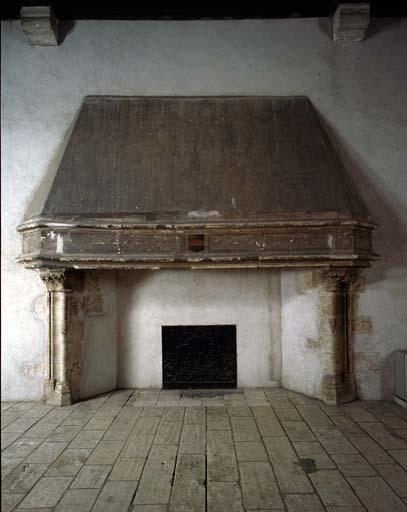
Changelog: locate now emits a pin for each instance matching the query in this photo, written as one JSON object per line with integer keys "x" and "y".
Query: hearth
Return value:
{"x": 199, "y": 356}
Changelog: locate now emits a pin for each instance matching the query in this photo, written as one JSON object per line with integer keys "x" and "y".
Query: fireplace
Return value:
{"x": 199, "y": 356}
{"x": 158, "y": 183}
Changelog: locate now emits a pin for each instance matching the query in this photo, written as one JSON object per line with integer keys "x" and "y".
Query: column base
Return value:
{"x": 337, "y": 390}
{"x": 349, "y": 391}
{"x": 49, "y": 388}
{"x": 58, "y": 394}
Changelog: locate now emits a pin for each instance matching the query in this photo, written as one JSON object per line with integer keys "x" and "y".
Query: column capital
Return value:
{"x": 55, "y": 280}
{"x": 334, "y": 280}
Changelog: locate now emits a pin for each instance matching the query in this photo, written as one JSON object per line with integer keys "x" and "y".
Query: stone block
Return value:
{"x": 333, "y": 489}
{"x": 383, "y": 436}
{"x": 222, "y": 467}
{"x": 258, "y": 485}
{"x": 173, "y": 413}
{"x": 115, "y": 496}
{"x": 351, "y": 22}
{"x": 306, "y": 280}
{"x": 47, "y": 492}
{"x": 244, "y": 429}
{"x": 400, "y": 456}
{"x": 127, "y": 469}
{"x": 223, "y": 496}
{"x": 91, "y": 477}
{"x": 168, "y": 432}
{"x": 87, "y": 439}
{"x": 303, "y": 503}
{"x": 46, "y": 453}
{"x": 195, "y": 415}
{"x": 288, "y": 415}
{"x": 193, "y": 439}
{"x": 218, "y": 422}
{"x": 314, "y": 415}
{"x": 312, "y": 344}
{"x": 69, "y": 462}
{"x": 8, "y": 438}
{"x": 290, "y": 475}
{"x": 238, "y": 411}
{"x": 219, "y": 441}
{"x": 8, "y": 465}
{"x": 298, "y": 431}
{"x": 353, "y": 465}
{"x": 333, "y": 440}
{"x": 347, "y": 426}
{"x": 138, "y": 446}
{"x": 106, "y": 452}
{"x": 376, "y": 494}
{"x": 78, "y": 500}
{"x": 395, "y": 476}
{"x": 362, "y": 324}
{"x": 188, "y": 491}
{"x": 251, "y": 452}
{"x": 99, "y": 423}
{"x": 313, "y": 451}
{"x": 64, "y": 433}
{"x": 155, "y": 483}
{"x": 267, "y": 422}
{"x": 10, "y": 501}
{"x": 371, "y": 450}
{"x": 23, "y": 447}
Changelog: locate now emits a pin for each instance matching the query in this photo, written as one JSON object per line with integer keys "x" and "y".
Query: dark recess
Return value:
{"x": 199, "y": 356}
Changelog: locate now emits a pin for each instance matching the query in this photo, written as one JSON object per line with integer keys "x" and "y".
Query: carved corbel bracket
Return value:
{"x": 350, "y": 22}
{"x": 40, "y": 25}
{"x": 339, "y": 280}
{"x": 55, "y": 280}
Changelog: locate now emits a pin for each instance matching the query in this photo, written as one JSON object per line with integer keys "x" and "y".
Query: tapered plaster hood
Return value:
{"x": 190, "y": 182}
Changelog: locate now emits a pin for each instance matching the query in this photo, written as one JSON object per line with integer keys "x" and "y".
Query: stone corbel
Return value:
{"x": 338, "y": 383}
{"x": 40, "y": 25}
{"x": 57, "y": 384}
{"x": 350, "y": 22}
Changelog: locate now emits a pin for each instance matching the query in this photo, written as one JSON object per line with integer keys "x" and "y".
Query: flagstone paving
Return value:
{"x": 194, "y": 451}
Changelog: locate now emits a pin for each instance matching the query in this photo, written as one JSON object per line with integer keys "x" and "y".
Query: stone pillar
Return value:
{"x": 57, "y": 385}
{"x": 335, "y": 330}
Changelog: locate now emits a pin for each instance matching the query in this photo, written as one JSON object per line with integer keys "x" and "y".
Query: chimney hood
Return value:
{"x": 198, "y": 182}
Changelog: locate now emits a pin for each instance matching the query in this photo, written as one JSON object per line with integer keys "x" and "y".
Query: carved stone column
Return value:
{"x": 57, "y": 385}
{"x": 335, "y": 330}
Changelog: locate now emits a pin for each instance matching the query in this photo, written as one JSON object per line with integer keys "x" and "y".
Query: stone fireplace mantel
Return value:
{"x": 64, "y": 289}
{"x": 199, "y": 183}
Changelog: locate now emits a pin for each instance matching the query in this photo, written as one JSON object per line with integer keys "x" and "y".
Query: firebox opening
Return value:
{"x": 199, "y": 356}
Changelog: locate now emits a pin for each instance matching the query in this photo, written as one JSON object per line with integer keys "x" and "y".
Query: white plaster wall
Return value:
{"x": 147, "y": 300}
{"x": 99, "y": 350}
{"x": 359, "y": 90}
{"x": 301, "y": 357}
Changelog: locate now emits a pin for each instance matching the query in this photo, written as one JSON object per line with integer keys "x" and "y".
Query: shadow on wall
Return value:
{"x": 125, "y": 309}
{"x": 390, "y": 238}
{"x": 65, "y": 27}
{"x": 387, "y": 376}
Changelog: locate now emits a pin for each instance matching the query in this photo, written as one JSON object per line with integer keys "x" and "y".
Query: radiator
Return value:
{"x": 400, "y": 377}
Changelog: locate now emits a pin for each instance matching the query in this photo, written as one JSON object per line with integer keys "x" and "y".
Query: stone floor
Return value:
{"x": 152, "y": 451}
